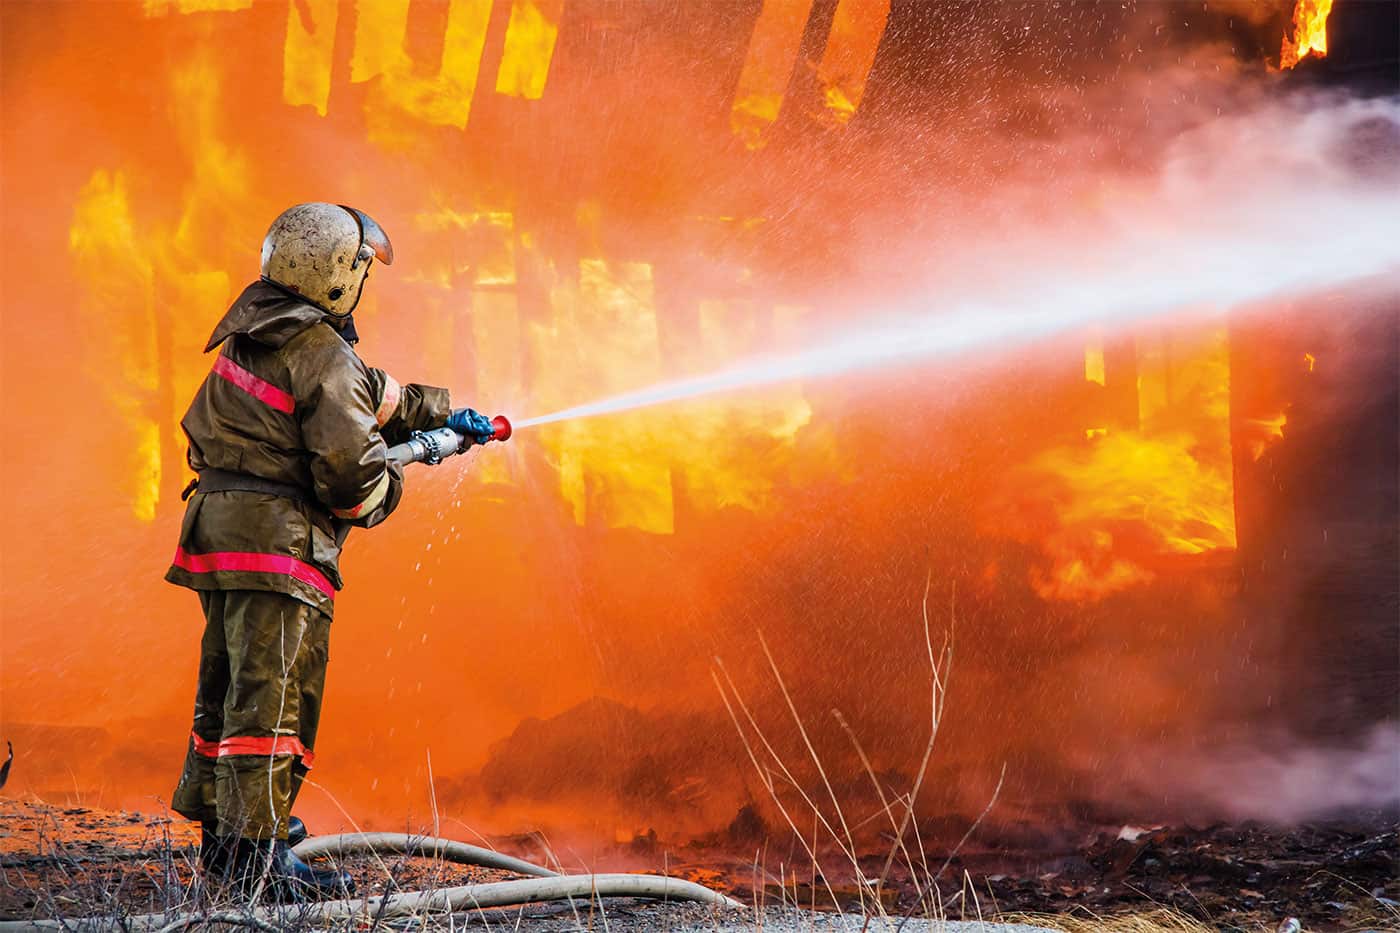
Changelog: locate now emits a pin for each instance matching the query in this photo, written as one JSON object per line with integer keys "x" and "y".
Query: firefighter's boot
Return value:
{"x": 214, "y": 854}
{"x": 283, "y": 876}
{"x": 297, "y": 832}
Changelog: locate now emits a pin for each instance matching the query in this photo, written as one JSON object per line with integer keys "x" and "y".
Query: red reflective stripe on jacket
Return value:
{"x": 253, "y": 745}
{"x": 390, "y": 402}
{"x": 254, "y": 563}
{"x": 260, "y": 389}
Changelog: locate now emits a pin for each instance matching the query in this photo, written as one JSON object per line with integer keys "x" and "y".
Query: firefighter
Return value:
{"x": 288, "y": 436}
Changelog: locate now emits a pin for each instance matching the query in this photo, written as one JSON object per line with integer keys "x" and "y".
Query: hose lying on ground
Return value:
{"x": 449, "y": 850}
{"x": 546, "y": 886}
{"x": 508, "y": 893}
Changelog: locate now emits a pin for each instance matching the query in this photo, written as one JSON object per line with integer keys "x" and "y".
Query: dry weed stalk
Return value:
{"x": 898, "y": 810}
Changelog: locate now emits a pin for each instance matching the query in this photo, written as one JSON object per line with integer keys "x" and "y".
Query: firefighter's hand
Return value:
{"x": 468, "y": 422}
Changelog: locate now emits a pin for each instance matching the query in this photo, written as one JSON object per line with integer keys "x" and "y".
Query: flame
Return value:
{"x": 1309, "y": 33}
{"x": 381, "y": 52}
{"x": 856, "y": 30}
{"x": 1259, "y": 434}
{"x": 581, "y": 253}
{"x": 529, "y": 48}
{"x": 857, "y": 27}
{"x": 1093, "y": 359}
{"x": 1112, "y": 507}
{"x": 1104, "y": 512}
{"x": 162, "y": 7}
{"x": 126, "y": 265}
{"x": 622, "y": 471}
{"x": 308, "y": 53}
{"x": 112, "y": 261}
{"x": 777, "y": 36}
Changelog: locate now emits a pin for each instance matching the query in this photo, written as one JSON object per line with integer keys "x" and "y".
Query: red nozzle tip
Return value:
{"x": 502, "y": 426}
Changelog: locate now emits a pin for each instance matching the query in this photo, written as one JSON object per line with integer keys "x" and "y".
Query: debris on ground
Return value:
{"x": 1336, "y": 875}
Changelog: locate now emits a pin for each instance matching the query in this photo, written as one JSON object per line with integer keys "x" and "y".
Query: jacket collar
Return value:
{"x": 268, "y": 314}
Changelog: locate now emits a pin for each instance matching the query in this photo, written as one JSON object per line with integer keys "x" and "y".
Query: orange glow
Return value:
{"x": 1261, "y": 433}
{"x": 850, "y": 52}
{"x": 1117, "y": 506}
{"x": 1105, "y": 512}
{"x": 110, "y": 258}
{"x": 1309, "y": 33}
{"x": 381, "y": 52}
{"x": 163, "y": 7}
{"x": 529, "y": 47}
{"x": 308, "y": 53}
{"x": 1093, "y": 360}
{"x": 607, "y": 209}
{"x": 767, "y": 68}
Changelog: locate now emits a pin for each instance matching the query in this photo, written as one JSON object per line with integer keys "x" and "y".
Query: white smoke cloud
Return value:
{"x": 1282, "y": 780}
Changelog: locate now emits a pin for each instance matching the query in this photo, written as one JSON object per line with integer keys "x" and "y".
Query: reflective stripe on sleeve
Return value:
{"x": 371, "y": 501}
{"x": 260, "y": 389}
{"x": 267, "y": 746}
{"x": 390, "y": 402}
{"x": 255, "y": 563}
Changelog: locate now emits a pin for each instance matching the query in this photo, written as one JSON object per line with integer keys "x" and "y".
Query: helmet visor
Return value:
{"x": 373, "y": 236}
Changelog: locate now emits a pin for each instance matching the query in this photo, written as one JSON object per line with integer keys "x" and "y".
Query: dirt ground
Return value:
{"x": 1345, "y": 875}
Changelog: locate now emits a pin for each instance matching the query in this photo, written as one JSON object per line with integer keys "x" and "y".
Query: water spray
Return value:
{"x": 1205, "y": 265}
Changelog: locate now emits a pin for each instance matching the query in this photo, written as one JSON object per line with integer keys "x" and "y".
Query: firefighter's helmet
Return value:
{"x": 323, "y": 252}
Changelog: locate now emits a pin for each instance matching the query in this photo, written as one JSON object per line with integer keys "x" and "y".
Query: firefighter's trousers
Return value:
{"x": 262, "y": 671}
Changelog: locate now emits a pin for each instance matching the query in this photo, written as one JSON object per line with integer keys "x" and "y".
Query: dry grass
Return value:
{"x": 1153, "y": 921}
{"x": 64, "y": 879}
{"x": 936, "y": 897}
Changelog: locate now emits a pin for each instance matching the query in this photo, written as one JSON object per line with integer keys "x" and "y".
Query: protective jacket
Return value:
{"x": 289, "y": 412}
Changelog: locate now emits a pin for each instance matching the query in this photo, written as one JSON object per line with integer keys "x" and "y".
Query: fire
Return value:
{"x": 307, "y": 53}
{"x": 165, "y": 276}
{"x": 1309, "y": 33}
{"x": 529, "y": 48}
{"x": 1093, "y": 360}
{"x": 857, "y": 27}
{"x": 622, "y": 472}
{"x": 109, "y": 256}
{"x": 1105, "y": 511}
{"x": 1259, "y": 434}
{"x": 382, "y": 52}
{"x": 162, "y": 7}
{"x": 767, "y": 68}
{"x": 581, "y": 219}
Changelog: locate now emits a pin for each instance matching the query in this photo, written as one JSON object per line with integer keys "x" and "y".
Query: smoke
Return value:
{"x": 1278, "y": 778}
{"x": 543, "y": 616}
{"x": 1212, "y": 233}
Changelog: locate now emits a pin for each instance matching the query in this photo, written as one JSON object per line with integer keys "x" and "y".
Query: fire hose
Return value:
{"x": 545, "y": 885}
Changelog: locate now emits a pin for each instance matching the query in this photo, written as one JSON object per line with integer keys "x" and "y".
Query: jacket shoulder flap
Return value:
{"x": 318, "y": 358}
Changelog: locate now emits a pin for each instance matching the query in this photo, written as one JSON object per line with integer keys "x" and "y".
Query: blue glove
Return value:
{"x": 467, "y": 422}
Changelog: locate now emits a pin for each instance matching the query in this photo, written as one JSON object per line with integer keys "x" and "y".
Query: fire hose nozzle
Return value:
{"x": 436, "y": 445}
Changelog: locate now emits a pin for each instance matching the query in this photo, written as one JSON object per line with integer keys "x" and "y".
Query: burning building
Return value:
{"x": 1147, "y": 542}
